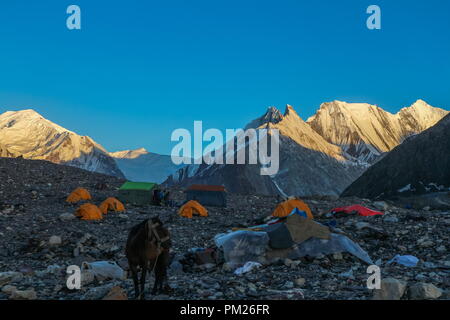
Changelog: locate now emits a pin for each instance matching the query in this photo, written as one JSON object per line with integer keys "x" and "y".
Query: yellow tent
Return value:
{"x": 111, "y": 204}
{"x": 192, "y": 207}
{"x": 78, "y": 194}
{"x": 89, "y": 211}
{"x": 285, "y": 208}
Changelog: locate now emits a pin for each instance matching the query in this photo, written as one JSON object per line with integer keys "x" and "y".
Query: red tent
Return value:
{"x": 362, "y": 211}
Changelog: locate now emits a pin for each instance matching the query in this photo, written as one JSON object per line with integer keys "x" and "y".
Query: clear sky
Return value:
{"x": 140, "y": 69}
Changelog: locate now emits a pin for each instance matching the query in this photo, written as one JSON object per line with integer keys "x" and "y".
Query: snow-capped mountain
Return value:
{"x": 366, "y": 131}
{"x": 30, "y": 135}
{"x": 323, "y": 155}
{"x": 129, "y": 154}
{"x": 309, "y": 165}
{"x": 273, "y": 115}
{"x": 421, "y": 164}
{"x": 142, "y": 166}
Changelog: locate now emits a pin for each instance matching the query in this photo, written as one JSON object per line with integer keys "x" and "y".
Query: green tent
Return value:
{"x": 139, "y": 193}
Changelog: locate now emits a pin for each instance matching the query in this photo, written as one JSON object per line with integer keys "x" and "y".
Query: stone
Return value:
{"x": 227, "y": 267}
{"x": 287, "y": 262}
{"x": 53, "y": 269}
{"x": 361, "y": 225}
{"x": 87, "y": 277}
{"x": 10, "y": 276}
{"x": 421, "y": 276}
{"x": 441, "y": 249}
{"x": 98, "y": 293}
{"x": 338, "y": 256}
{"x": 426, "y": 244}
{"x": 8, "y": 289}
{"x": 116, "y": 293}
{"x": 300, "y": 282}
{"x": 391, "y": 289}
{"x": 176, "y": 268}
{"x": 288, "y": 285}
{"x": 23, "y": 295}
{"x": 66, "y": 216}
{"x": 55, "y": 241}
{"x": 423, "y": 291}
{"x": 429, "y": 265}
{"x": 392, "y": 219}
{"x": 381, "y": 205}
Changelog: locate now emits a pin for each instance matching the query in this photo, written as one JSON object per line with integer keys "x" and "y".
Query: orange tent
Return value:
{"x": 89, "y": 211}
{"x": 192, "y": 207}
{"x": 78, "y": 194}
{"x": 285, "y": 208}
{"x": 111, "y": 204}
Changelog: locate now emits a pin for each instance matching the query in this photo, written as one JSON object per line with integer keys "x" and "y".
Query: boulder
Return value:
{"x": 392, "y": 219}
{"x": 300, "y": 282}
{"x": 55, "y": 241}
{"x": 9, "y": 276}
{"x": 381, "y": 205}
{"x": 116, "y": 293}
{"x": 23, "y": 295}
{"x": 67, "y": 216}
{"x": 98, "y": 293}
{"x": 391, "y": 289}
{"x": 8, "y": 289}
{"x": 423, "y": 291}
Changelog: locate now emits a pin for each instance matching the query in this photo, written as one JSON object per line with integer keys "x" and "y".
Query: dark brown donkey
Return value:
{"x": 147, "y": 248}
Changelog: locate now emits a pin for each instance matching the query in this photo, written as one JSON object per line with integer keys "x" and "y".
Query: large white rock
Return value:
{"x": 24, "y": 295}
{"x": 422, "y": 291}
{"x": 66, "y": 216}
{"x": 9, "y": 276}
{"x": 391, "y": 289}
{"x": 55, "y": 241}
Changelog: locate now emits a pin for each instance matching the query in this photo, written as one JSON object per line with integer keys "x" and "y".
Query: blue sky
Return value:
{"x": 140, "y": 69}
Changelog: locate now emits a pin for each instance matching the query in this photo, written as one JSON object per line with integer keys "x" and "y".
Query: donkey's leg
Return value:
{"x": 162, "y": 269}
{"x": 161, "y": 276}
{"x": 134, "y": 273}
{"x": 143, "y": 276}
{"x": 155, "y": 285}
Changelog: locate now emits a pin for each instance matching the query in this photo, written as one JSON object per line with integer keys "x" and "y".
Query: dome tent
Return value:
{"x": 89, "y": 211}
{"x": 285, "y": 208}
{"x": 192, "y": 207}
{"x": 78, "y": 195}
{"x": 111, "y": 204}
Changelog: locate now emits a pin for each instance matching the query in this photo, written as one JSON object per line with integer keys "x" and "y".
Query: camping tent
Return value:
{"x": 139, "y": 193}
{"x": 192, "y": 207}
{"x": 89, "y": 211}
{"x": 360, "y": 210}
{"x": 207, "y": 195}
{"x": 111, "y": 204}
{"x": 285, "y": 208}
{"x": 293, "y": 237}
{"x": 78, "y": 194}
{"x": 296, "y": 229}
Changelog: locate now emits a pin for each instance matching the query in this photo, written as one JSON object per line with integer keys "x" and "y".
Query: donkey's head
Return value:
{"x": 158, "y": 233}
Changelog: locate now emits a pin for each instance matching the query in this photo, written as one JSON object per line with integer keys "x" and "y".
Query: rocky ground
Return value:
{"x": 40, "y": 238}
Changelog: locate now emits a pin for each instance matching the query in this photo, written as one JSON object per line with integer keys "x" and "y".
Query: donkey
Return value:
{"x": 147, "y": 248}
